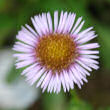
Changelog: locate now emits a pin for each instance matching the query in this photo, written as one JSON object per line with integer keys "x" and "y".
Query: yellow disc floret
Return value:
{"x": 56, "y": 51}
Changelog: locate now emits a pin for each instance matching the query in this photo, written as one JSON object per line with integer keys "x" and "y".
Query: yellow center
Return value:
{"x": 56, "y": 52}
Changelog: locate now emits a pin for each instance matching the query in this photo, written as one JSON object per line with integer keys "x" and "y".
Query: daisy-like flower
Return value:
{"x": 56, "y": 54}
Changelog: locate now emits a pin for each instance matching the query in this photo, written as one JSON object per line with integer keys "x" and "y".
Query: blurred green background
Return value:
{"x": 15, "y": 94}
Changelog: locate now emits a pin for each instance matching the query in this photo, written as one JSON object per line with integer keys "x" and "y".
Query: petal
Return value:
{"x": 24, "y": 63}
{"x": 63, "y": 22}
{"x": 37, "y": 76}
{"x": 60, "y": 22}
{"x": 89, "y": 46}
{"x": 46, "y": 81}
{"x": 89, "y": 52}
{"x": 55, "y": 21}
{"x": 49, "y": 22}
{"x": 79, "y": 28}
{"x": 82, "y": 34}
{"x": 83, "y": 65}
{"x": 76, "y": 24}
{"x": 38, "y": 30}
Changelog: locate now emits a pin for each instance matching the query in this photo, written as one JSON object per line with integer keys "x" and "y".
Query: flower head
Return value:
{"x": 56, "y": 54}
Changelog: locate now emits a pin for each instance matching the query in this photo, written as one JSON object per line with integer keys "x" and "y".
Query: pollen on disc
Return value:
{"x": 56, "y": 51}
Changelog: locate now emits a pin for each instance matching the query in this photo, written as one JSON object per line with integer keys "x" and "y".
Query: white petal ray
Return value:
{"x": 89, "y": 46}
{"x": 86, "y": 39}
{"x": 29, "y": 68}
{"x": 50, "y": 83}
{"x": 25, "y": 38}
{"x": 66, "y": 83}
{"x": 49, "y": 22}
{"x": 71, "y": 22}
{"x": 31, "y": 30}
{"x": 81, "y": 74}
{"x": 55, "y": 21}
{"x": 63, "y": 82}
{"x": 94, "y": 66}
{"x": 24, "y": 63}
{"x": 90, "y": 56}
{"x": 46, "y": 81}
{"x": 60, "y": 21}
{"x": 22, "y": 49}
{"x": 55, "y": 85}
{"x": 24, "y": 59}
{"x": 24, "y": 45}
{"x": 76, "y": 24}
{"x": 31, "y": 74}
{"x": 63, "y": 22}
{"x": 41, "y": 80}
{"x": 58, "y": 83}
{"x": 82, "y": 64}
{"x": 30, "y": 34}
{"x": 27, "y": 34}
{"x": 79, "y": 28}
{"x": 89, "y": 52}
{"x": 44, "y": 19}
{"x": 82, "y": 34}
{"x": 76, "y": 81}
{"x": 23, "y": 55}
{"x": 45, "y": 28}
{"x": 76, "y": 74}
{"x": 37, "y": 76}
{"x": 36, "y": 27}
{"x": 82, "y": 70}
{"x": 88, "y": 60}
{"x": 68, "y": 80}
{"x": 39, "y": 24}
{"x": 38, "y": 20}
{"x": 65, "y": 30}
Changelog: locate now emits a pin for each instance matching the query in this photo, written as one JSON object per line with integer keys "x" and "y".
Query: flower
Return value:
{"x": 56, "y": 54}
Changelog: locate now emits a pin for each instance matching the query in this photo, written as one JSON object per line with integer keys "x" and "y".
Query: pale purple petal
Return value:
{"x": 63, "y": 22}
{"x": 41, "y": 80}
{"x": 31, "y": 30}
{"x": 45, "y": 22}
{"x": 83, "y": 33}
{"x": 46, "y": 81}
{"x": 71, "y": 22}
{"x": 89, "y": 46}
{"x": 38, "y": 30}
{"x": 55, "y": 21}
{"x": 29, "y": 68}
{"x": 50, "y": 83}
{"x": 79, "y": 28}
{"x": 60, "y": 21}
{"x": 24, "y": 63}
{"x": 86, "y": 39}
{"x": 63, "y": 82}
{"x": 88, "y": 52}
{"x": 49, "y": 22}
{"x": 37, "y": 76}
{"x": 90, "y": 56}
{"x": 76, "y": 24}
{"x": 83, "y": 65}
